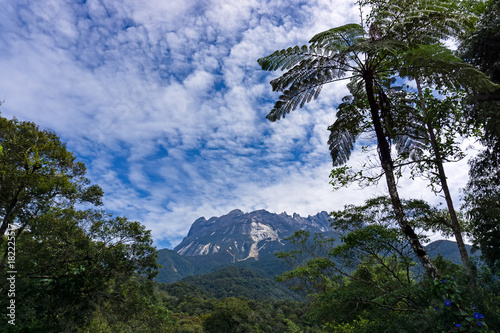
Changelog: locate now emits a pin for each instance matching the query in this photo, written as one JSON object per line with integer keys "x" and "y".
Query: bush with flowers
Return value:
{"x": 455, "y": 315}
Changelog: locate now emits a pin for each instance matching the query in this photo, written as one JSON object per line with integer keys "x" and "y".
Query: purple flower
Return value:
{"x": 444, "y": 280}
{"x": 479, "y": 324}
{"x": 481, "y": 316}
{"x": 435, "y": 308}
{"x": 476, "y": 315}
{"x": 447, "y": 302}
{"x": 458, "y": 325}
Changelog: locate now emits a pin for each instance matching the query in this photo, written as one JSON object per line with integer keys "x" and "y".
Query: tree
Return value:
{"x": 370, "y": 273}
{"x": 370, "y": 277}
{"x": 134, "y": 306}
{"x": 480, "y": 46}
{"x": 64, "y": 260}
{"x": 394, "y": 48}
{"x": 482, "y": 198}
{"x": 230, "y": 315}
{"x": 483, "y": 205}
{"x": 331, "y": 56}
{"x": 37, "y": 172}
{"x": 68, "y": 260}
{"x": 421, "y": 35}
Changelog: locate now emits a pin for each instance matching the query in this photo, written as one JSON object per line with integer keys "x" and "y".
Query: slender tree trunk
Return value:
{"x": 388, "y": 167}
{"x": 5, "y": 255}
{"x": 9, "y": 215}
{"x": 457, "y": 230}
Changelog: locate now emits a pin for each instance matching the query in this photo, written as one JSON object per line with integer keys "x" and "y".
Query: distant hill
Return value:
{"x": 449, "y": 250}
{"x": 175, "y": 266}
{"x": 233, "y": 281}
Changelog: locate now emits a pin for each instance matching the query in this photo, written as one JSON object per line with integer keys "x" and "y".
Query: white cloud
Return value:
{"x": 166, "y": 103}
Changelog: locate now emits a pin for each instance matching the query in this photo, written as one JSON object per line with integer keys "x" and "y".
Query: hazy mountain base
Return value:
{"x": 176, "y": 266}
{"x": 233, "y": 281}
{"x": 252, "y": 279}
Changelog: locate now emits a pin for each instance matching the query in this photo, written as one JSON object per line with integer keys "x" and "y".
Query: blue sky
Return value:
{"x": 165, "y": 103}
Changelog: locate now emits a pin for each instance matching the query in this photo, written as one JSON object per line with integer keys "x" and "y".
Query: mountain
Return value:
{"x": 250, "y": 240}
{"x": 244, "y": 239}
{"x": 175, "y": 266}
{"x": 247, "y": 236}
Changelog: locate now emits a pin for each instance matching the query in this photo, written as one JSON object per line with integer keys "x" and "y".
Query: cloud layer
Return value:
{"x": 166, "y": 104}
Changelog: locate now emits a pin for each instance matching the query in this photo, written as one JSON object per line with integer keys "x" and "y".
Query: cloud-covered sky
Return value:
{"x": 165, "y": 103}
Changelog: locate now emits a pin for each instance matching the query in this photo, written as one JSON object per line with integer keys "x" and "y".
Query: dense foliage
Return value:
{"x": 480, "y": 48}
{"x": 370, "y": 282}
{"x": 59, "y": 264}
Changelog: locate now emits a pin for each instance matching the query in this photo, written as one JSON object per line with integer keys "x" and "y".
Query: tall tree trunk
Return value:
{"x": 457, "y": 230}
{"x": 388, "y": 167}
{"x": 8, "y": 218}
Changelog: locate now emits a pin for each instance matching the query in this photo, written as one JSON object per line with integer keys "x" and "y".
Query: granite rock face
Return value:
{"x": 247, "y": 235}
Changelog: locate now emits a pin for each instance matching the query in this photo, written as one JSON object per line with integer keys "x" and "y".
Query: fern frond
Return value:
{"x": 339, "y": 38}
{"x": 379, "y": 47}
{"x": 350, "y": 123}
{"x": 423, "y": 21}
{"x": 304, "y": 81}
{"x": 287, "y": 58}
{"x": 438, "y": 66}
{"x": 312, "y": 69}
{"x": 291, "y": 99}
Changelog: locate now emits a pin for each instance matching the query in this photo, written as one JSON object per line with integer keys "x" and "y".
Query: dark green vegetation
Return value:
{"x": 176, "y": 267}
{"x": 60, "y": 265}
{"x": 67, "y": 266}
{"x": 371, "y": 283}
{"x": 235, "y": 281}
{"x": 482, "y": 194}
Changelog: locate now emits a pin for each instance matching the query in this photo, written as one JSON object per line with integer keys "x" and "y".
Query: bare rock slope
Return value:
{"x": 246, "y": 235}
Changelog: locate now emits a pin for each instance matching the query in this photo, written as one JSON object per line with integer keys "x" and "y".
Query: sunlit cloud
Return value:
{"x": 166, "y": 104}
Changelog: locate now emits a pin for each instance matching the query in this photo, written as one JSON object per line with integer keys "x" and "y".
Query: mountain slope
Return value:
{"x": 233, "y": 281}
{"x": 251, "y": 240}
{"x": 175, "y": 267}
{"x": 246, "y": 235}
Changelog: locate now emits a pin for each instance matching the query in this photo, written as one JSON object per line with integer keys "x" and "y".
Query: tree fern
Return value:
{"x": 438, "y": 66}
{"x": 350, "y": 123}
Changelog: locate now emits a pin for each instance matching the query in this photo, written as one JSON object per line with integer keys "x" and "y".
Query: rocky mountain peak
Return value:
{"x": 246, "y": 235}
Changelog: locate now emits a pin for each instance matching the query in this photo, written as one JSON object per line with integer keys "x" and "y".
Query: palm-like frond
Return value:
{"x": 314, "y": 68}
{"x": 350, "y": 123}
{"x": 292, "y": 98}
{"x": 305, "y": 87}
{"x": 382, "y": 47}
{"x": 328, "y": 59}
{"x": 440, "y": 67}
{"x": 403, "y": 122}
{"x": 412, "y": 143}
{"x": 339, "y": 38}
{"x": 287, "y": 58}
{"x": 419, "y": 22}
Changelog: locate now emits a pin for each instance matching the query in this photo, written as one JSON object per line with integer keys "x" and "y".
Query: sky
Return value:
{"x": 164, "y": 102}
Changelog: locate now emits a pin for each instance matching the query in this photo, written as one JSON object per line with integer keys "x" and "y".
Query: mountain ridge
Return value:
{"x": 247, "y": 235}
{"x": 236, "y": 234}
